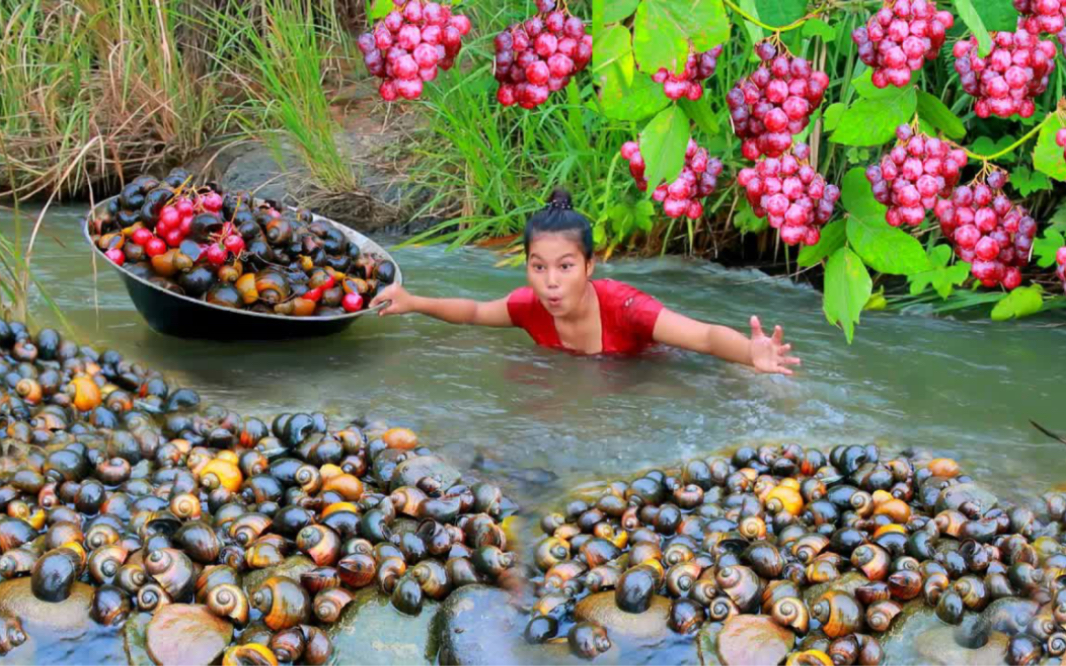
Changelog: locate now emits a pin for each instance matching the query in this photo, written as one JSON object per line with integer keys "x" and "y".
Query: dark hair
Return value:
{"x": 559, "y": 217}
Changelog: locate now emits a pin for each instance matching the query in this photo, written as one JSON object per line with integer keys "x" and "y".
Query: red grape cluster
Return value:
{"x": 1043, "y": 17}
{"x": 537, "y": 57}
{"x": 407, "y": 46}
{"x": 1060, "y": 269}
{"x": 791, "y": 194}
{"x": 913, "y": 174}
{"x": 698, "y": 179}
{"x": 774, "y": 102}
{"x": 988, "y": 230}
{"x": 899, "y": 38}
{"x": 1006, "y": 81}
{"x": 1060, "y": 140}
{"x": 698, "y": 68}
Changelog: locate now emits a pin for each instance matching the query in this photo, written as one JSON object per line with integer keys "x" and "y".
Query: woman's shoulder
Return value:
{"x": 616, "y": 291}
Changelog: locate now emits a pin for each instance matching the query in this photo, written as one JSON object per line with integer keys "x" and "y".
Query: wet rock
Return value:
{"x": 58, "y": 633}
{"x": 477, "y": 625}
{"x": 707, "y": 642}
{"x": 938, "y": 647}
{"x": 1010, "y": 615}
{"x": 187, "y": 634}
{"x": 601, "y": 608}
{"x": 410, "y": 471}
{"x": 915, "y": 619}
{"x": 292, "y": 567}
{"x": 135, "y": 634}
{"x": 955, "y": 496}
{"x": 849, "y": 582}
{"x": 753, "y": 640}
{"x": 370, "y": 631}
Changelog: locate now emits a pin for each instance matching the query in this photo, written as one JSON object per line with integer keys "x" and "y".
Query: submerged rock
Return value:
{"x": 955, "y": 496}
{"x": 753, "y": 640}
{"x": 58, "y": 633}
{"x": 602, "y": 609}
{"x": 848, "y": 583}
{"x": 477, "y": 624}
{"x": 135, "y": 634}
{"x": 371, "y": 632}
{"x": 410, "y": 471}
{"x": 938, "y": 647}
{"x": 292, "y": 567}
{"x": 187, "y": 634}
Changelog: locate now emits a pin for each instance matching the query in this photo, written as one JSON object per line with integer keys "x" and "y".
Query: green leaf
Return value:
{"x": 847, "y": 288}
{"x": 745, "y": 220}
{"x": 872, "y": 122}
{"x": 780, "y": 12}
{"x": 702, "y": 114}
{"x": 1047, "y": 155}
{"x": 931, "y": 109}
{"x": 662, "y": 144}
{"x": 1047, "y": 247}
{"x": 625, "y": 93}
{"x": 973, "y": 21}
{"x": 863, "y": 84}
{"x": 755, "y": 32}
{"x": 885, "y": 249}
{"x": 998, "y": 15}
{"x": 618, "y": 10}
{"x": 832, "y": 115}
{"x": 1021, "y": 302}
{"x": 379, "y": 9}
{"x": 628, "y": 218}
{"x": 1027, "y": 182}
{"x": 877, "y": 300}
{"x": 1058, "y": 219}
{"x": 663, "y": 29}
{"x": 985, "y": 145}
{"x": 942, "y": 277}
{"x": 832, "y": 240}
{"x": 816, "y": 27}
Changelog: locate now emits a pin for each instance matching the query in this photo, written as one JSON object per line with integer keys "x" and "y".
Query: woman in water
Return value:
{"x": 564, "y": 308}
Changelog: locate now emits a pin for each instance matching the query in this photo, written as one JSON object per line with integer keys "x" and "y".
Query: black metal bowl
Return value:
{"x": 185, "y": 317}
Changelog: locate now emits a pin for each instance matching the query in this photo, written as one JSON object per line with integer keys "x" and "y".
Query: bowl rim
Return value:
{"x": 361, "y": 240}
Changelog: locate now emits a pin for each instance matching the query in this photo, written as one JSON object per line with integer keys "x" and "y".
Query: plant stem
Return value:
{"x": 1028, "y": 135}
{"x": 751, "y": 19}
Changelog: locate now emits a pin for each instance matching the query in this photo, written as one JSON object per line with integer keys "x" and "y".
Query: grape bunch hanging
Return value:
{"x": 698, "y": 180}
{"x": 406, "y": 48}
{"x": 1005, "y": 82}
{"x": 988, "y": 230}
{"x": 1043, "y": 17}
{"x": 689, "y": 83}
{"x": 899, "y": 38}
{"x": 912, "y": 175}
{"x": 790, "y": 194}
{"x": 774, "y": 102}
{"x": 539, "y": 56}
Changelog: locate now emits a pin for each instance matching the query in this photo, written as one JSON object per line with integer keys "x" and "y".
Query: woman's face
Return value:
{"x": 558, "y": 272}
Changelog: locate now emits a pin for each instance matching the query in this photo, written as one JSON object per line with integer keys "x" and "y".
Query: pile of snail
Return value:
{"x": 232, "y": 251}
{"x": 113, "y": 477}
{"x": 748, "y": 535}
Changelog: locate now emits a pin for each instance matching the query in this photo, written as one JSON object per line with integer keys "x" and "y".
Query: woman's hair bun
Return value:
{"x": 561, "y": 199}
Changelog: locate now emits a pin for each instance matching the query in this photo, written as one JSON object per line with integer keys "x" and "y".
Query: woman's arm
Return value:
{"x": 451, "y": 310}
{"x": 763, "y": 353}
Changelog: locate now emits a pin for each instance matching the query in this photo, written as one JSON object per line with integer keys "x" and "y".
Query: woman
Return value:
{"x": 564, "y": 308}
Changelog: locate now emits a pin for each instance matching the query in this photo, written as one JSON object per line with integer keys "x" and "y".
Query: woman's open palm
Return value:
{"x": 770, "y": 353}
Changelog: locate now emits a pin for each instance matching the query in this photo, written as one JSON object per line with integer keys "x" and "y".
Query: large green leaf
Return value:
{"x": 617, "y": 10}
{"x": 780, "y": 12}
{"x": 816, "y": 27}
{"x": 1027, "y": 182}
{"x": 832, "y": 115}
{"x": 626, "y": 94}
{"x": 702, "y": 114}
{"x": 972, "y": 19}
{"x": 872, "y": 122}
{"x": 885, "y": 249}
{"x": 941, "y": 276}
{"x": 1047, "y": 247}
{"x": 832, "y": 239}
{"x": 864, "y": 85}
{"x": 847, "y": 288}
{"x": 1047, "y": 155}
{"x": 1021, "y": 302}
{"x": 662, "y": 145}
{"x": 998, "y": 15}
{"x": 931, "y": 109}
{"x": 381, "y": 8}
{"x": 663, "y": 29}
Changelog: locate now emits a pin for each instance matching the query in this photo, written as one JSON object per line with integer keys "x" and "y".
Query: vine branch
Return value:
{"x": 784, "y": 28}
{"x": 1028, "y": 135}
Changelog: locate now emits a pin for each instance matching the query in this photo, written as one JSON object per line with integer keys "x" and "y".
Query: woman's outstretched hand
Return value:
{"x": 398, "y": 298}
{"x": 769, "y": 353}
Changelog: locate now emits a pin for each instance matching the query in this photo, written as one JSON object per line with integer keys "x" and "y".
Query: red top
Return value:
{"x": 627, "y": 317}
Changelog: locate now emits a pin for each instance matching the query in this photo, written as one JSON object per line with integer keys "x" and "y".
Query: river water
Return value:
{"x": 960, "y": 388}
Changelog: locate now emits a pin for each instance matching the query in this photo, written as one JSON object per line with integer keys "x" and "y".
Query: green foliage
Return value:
{"x": 937, "y": 114}
{"x": 832, "y": 239}
{"x": 941, "y": 276}
{"x": 1022, "y": 302}
{"x": 625, "y": 93}
{"x": 664, "y": 29}
{"x": 1047, "y": 155}
{"x": 1045, "y": 248}
{"x": 883, "y": 248}
{"x": 872, "y": 120}
{"x": 663, "y": 143}
{"x": 847, "y": 289}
